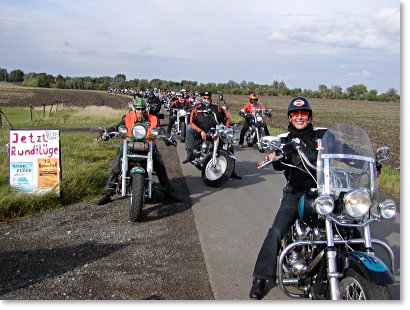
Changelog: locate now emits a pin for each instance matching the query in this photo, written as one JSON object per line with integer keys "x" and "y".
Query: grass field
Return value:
{"x": 88, "y": 109}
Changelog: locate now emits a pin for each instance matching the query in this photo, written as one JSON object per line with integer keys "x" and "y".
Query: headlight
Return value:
{"x": 387, "y": 208}
{"x": 123, "y": 130}
{"x": 139, "y": 132}
{"x": 324, "y": 205}
{"x": 228, "y": 134}
{"x": 181, "y": 113}
{"x": 357, "y": 203}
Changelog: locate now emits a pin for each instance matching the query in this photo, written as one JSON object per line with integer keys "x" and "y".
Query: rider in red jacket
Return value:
{"x": 248, "y": 109}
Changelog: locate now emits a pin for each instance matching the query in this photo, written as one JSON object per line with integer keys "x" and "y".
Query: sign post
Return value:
{"x": 34, "y": 161}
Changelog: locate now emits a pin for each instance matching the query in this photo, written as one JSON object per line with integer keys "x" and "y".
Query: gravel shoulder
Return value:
{"x": 86, "y": 251}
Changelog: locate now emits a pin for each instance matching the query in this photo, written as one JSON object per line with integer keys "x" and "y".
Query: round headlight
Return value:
{"x": 181, "y": 113}
{"x": 228, "y": 133}
{"x": 324, "y": 205}
{"x": 139, "y": 131}
{"x": 357, "y": 203}
{"x": 387, "y": 209}
{"x": 123, "y": 130}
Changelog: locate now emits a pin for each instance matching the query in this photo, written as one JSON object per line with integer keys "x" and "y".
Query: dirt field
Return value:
{"x": 380, "y": 119}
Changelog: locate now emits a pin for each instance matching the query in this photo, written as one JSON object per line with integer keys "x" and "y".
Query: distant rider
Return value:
{"x": 246, "y": 112}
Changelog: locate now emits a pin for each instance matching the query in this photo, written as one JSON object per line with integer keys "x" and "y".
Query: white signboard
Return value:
{"x": 34, "y": 161}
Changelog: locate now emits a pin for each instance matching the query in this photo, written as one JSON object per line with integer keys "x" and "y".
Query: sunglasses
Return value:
{"x": 206, "y": 98}
{"x": 139, "y": 109}
{"x": 297, "y": 113}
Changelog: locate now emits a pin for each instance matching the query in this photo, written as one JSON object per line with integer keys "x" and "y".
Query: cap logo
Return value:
{"x": 298, "y": 103}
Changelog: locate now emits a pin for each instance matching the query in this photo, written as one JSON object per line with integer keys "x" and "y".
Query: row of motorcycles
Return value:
{"x": 328, "y": 253}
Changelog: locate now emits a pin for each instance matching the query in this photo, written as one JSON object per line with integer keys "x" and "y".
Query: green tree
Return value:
{"x": 16, "y": 76}
{"x": 3, "y": 75}
{"x": 358, "y": 91}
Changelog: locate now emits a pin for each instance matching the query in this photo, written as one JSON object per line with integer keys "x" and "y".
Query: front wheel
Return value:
{"x": 183, "y": 131}
{"x": 215, "y": 176}
{"x": 250, "y": 138}
{"x": 137, "y": 199}
{"x": 354, "y": 287}
{"x": 261, "y": 135}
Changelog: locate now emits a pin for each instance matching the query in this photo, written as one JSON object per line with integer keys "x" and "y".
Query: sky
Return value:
{"x": 303, "y": 43}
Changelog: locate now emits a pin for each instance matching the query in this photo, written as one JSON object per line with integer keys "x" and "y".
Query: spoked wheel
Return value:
{"x": 215, "y": 176}
{"x": 261, "y": 135}
{"x": 137, "y": 198}
{"x": 354, "y": 287}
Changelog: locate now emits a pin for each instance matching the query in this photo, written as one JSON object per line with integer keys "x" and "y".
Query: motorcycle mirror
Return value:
{"x": 271, "y": 142}
{"x": 382, "y": 153}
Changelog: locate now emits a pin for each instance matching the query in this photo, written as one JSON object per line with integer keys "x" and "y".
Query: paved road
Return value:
{"x": 233, "y": 220}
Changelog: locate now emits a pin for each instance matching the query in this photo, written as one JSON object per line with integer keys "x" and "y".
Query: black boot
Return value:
{"x": 190, "y": 156}
{"x": 105, "y": 198}
{"x": 257, "y": 289}
{"x": 234, "y": 176}
{"x": 109, "y": 189}
{"x": 169, "y": 195}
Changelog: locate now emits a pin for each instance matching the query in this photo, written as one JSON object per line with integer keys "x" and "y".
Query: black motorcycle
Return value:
{"x": 328, "y": 252}
{"x": 214, "y": 157}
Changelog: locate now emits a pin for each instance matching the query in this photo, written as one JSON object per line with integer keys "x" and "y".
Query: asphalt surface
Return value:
{"x": 234, "y": 219}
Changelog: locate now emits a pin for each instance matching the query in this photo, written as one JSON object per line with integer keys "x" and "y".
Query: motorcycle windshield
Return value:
{"x": 345, "y": 161}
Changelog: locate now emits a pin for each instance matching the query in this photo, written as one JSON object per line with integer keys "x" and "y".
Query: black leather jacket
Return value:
{"x": 298, "y": 179}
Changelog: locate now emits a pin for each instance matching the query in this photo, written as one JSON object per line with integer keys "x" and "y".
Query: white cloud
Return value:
{"x": 374, "y": 42}
{"x": 388, "y": 20}
{"x": 277, "y": 36}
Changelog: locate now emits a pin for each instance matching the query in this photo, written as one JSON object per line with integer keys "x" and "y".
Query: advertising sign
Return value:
{"x": 34, "y": 161}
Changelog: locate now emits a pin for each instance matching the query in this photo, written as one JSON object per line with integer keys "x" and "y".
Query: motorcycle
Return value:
{"x": 323, "y": 255}
{"x": 256, "y": 130}
{"x": 178, "y": 129}
{"x": 215, "y": 156}
{"x": 135, "y": 180}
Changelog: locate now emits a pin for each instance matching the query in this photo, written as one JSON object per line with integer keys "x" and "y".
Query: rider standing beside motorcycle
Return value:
{"x": 247, "y": 109}
{"x": 204, "y": 116}
{"x": 138, "y": 114}
{"x": 298, "y": 183}
{"x": 180, "y": 103}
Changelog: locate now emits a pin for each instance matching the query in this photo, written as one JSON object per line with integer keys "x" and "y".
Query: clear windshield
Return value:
{"x": 345, "y": 161}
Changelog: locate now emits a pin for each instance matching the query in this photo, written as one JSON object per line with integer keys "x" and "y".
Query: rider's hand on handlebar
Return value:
{"x": 203, "y": 135}
{"x": 271, "y": 156}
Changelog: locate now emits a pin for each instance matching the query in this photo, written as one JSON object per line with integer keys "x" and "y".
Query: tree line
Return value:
{"x": 354, "y": 92}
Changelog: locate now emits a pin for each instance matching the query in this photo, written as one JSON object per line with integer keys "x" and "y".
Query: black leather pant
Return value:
{"x": 265, "y": 267}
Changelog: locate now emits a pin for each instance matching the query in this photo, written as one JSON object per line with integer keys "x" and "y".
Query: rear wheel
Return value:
{"x": 354, "y": 287}
{"x": 215, "y": 176}
{"x": 137, "y": 199}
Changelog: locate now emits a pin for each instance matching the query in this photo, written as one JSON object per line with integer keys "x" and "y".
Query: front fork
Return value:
{"x": 331, "y": 255}
{"x": 214, "y": 153}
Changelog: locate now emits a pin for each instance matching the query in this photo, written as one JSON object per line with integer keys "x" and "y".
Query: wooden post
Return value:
{"x": 31, "y": 113}
{"x": 44, "y": 110}
{"x": 1, "y": 120}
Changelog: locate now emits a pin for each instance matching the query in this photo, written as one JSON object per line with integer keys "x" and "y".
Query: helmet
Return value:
{"x": 253, "y": 97}
{"x": 300, "y": 103}
{"x": 138, "y": 103}
{"x": 206, "y": 94}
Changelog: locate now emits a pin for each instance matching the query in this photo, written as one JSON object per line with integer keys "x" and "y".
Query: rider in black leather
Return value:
{"x": 298, "y": 183}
